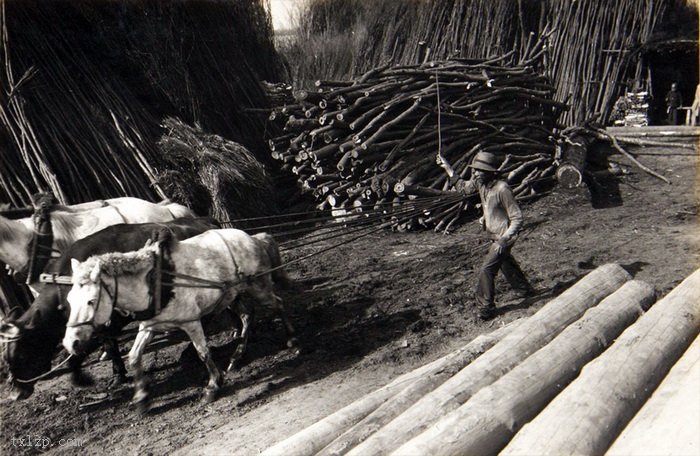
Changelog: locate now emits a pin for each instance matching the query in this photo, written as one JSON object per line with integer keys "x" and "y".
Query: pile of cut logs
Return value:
{"x": 373, "y": 140}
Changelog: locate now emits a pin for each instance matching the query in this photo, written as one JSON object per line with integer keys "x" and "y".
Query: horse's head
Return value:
{"x": 28, "y": 341}
{"x": 19, "y": 359}
{"x": 95, "y": 291}
{"x": 91, "y": 302}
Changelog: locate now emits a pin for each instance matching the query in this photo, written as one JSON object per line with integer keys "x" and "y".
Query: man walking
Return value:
{"x": 502, "y": 219}
{"x": 674, "y": 100}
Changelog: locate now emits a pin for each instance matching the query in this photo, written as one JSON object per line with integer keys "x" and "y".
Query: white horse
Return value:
{"x": 70, "y": 223}
{"x": 212, "y": 270}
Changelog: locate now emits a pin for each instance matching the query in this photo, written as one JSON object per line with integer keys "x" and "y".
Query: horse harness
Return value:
{"x": 162, "y": 279}
{"x": 40, "y": 248}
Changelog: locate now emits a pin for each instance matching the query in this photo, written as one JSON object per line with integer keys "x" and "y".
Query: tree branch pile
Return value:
{"x": 373, "y": 140}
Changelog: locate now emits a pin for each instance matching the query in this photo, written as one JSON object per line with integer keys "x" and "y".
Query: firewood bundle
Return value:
{"x": 373, "y": 140}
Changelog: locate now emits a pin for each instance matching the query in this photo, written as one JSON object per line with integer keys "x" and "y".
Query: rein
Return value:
{"x": 4, "y": 355}
{"x": 198, "y": 282}
{"x": 45, "y": 374}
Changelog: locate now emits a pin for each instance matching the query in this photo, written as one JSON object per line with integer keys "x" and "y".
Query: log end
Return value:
{"x": 569, "y": 177}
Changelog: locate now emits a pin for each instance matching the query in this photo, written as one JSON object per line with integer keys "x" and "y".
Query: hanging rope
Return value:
{"x": 439, "y": 129}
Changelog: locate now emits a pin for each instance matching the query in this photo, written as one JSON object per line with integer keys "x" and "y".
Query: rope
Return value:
{"x": 367, "y": 233}
{"x": 360, "y": 222}
{"x": 439, "y": 130}
{"x": 45, "y": 374}
{"x": 308, "y": 220}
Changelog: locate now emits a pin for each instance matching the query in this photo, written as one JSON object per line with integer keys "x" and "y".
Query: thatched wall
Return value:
{"x": 590, "y": 41}
{"x": 89, "y": 83}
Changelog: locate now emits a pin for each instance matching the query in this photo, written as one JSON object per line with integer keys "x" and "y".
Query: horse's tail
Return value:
{"x": 177, "y": 210}
{"x": 279, "y": 275}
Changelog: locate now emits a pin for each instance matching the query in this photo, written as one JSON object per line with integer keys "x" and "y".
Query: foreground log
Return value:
{"x": 669, "y": 421}
{"x": 411, "y": 393}
{"x": 312, "y": 439}
{"x": 588, "y": 415}
{"x": 532, "y": 335}
{"x": 487, "y": 421}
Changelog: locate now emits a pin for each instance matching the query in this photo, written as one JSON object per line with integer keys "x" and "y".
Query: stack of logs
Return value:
{"x": 372, "y": 141}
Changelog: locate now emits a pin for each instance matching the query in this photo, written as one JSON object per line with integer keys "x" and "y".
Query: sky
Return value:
{"x": 281, "y": 11}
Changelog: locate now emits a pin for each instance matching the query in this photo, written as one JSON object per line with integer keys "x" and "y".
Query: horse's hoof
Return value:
{"x": 209, "y": 396}
{"x": 21, "y": 391}
{"x": 142, "y": 407}
{"x": 141, "y": 402}
{"x": 117, "y": 380}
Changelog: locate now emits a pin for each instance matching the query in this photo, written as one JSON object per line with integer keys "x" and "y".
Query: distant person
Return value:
{"x": 502, "y": 219}
{"x": 674, "y": 100}
{"x": 695, "y": 108}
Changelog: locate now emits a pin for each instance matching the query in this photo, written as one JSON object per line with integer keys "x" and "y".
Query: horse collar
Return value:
{"x": 41, "y": 245}
{"x": 160, "y": 291}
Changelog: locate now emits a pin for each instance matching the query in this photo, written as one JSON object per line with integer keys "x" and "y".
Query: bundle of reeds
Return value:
{"x": 212, "y": 175}
{"x": 86, "y": 85}
{"x": 588, "y": 50}
{"x": 374, "y": 139}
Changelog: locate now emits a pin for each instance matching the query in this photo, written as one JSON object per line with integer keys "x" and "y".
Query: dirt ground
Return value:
{"x": 365, "y": 313}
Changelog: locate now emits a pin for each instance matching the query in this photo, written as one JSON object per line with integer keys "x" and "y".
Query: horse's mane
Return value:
{"x": 117, "y": 263}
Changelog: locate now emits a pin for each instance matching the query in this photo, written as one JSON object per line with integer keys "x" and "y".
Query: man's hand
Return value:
{"x": 440, "y": 161}
{"x": 499, "y": 246}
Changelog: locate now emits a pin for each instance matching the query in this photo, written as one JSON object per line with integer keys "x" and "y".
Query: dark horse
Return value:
{"x": 31, "y": 340}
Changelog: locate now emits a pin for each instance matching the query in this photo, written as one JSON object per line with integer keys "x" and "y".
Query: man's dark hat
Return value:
{"x": 485, "y": 161}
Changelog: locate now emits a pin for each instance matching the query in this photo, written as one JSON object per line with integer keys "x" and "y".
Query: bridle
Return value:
{"x": 112, "y": 296}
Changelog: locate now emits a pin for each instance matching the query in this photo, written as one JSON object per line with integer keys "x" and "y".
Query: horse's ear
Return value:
{"x": 95, "y": 273}
{"x": 152, "y": 245}
{"x": 74, "y": 265}
{"x": 9, "y": 331}
{"x": 14, "y": 314}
